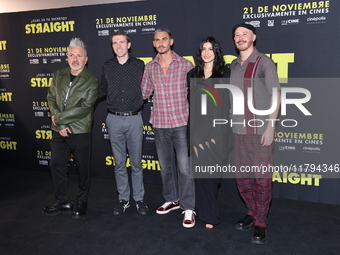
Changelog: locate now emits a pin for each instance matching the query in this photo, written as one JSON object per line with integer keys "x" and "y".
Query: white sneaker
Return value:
{"x": 189, "y": 218}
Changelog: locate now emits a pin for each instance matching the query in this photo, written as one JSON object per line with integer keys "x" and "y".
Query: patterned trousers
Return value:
{"x": 254, "y": 186}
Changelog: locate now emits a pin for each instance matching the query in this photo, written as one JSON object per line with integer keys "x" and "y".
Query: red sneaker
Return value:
{"x": 167, "y": 207}
{"x": 189, "y": 218}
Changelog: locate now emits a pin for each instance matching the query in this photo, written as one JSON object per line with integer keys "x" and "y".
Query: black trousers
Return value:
{"x": 207, "y": 205}
{"x": 61, "y": 147}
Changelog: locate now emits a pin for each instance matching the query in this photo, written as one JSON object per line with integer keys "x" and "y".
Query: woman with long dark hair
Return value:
{"x": 209, "y": 144}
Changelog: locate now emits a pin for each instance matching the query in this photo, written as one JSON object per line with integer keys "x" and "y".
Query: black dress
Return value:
{"x": 209, "y": 145}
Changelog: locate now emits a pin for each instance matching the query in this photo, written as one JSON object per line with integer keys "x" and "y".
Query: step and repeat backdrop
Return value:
{"x": 300, "y": 36}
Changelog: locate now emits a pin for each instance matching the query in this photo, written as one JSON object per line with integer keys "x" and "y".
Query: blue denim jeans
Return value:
{"x": 172, "y": 151}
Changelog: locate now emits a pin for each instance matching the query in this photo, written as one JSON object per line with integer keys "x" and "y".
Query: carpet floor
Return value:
{"x": 295, "y": 227}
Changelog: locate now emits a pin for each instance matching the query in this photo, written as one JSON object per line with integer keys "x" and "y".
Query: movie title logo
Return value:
{"x": 147, "y": 164}
{"x": 3, "y": 45}
{"x": 6, "y": 96}
{"x": 41, "y": 82}
{"x": 8, "y": 145}
{"x": 281, "y": 59}
{"x": 50, "y": 27}
{"x": 43, "y": 134}
{"x": 297, "y": 178}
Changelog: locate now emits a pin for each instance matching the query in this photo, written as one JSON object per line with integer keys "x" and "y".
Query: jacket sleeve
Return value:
{"x": 52, "y": 98}
{"x": 81, "y": 103}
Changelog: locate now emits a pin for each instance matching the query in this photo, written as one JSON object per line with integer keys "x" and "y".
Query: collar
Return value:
{"x": 67, "y": 71}
{"x": 175, "y": 57}
{"x": 128, "y": 61}
{"x": 251, "y": 58}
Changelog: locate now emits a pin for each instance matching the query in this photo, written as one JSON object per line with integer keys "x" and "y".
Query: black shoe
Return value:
{"x": 260, "y": 235}
{"x": 80, "y": 210}
{"x": 142, "y": 208}
{"x": 58, "y": 208}
{"x": 121, "y": 207}
{"x": 245, "y": 224}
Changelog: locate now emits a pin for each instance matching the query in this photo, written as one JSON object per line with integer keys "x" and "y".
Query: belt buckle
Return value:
{"x": 126, "y": 114}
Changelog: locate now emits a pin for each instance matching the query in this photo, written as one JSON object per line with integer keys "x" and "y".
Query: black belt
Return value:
{"x": 124, "y": 113}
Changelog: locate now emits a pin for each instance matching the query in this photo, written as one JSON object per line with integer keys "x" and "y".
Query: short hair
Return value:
{"x": 120, "y": 33}
{"x": 76, "y": 42}
{"x": 163, "y": 29}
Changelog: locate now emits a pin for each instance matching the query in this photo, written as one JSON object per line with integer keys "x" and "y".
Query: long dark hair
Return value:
{"x": 218, "y": 65}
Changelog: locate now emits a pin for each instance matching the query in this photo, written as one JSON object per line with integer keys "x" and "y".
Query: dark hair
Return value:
{"x": 120, "y": 33}
{"x": 219, "y": 63}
